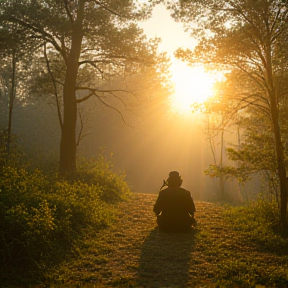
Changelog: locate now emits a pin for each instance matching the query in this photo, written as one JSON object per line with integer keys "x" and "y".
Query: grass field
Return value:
{"x": 133, "y": 253}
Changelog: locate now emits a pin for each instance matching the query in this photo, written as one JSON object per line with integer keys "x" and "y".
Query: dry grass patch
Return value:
{"x": 133, "y": 253}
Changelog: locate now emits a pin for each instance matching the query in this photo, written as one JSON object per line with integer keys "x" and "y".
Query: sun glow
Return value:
{"x": 191, "y": 85}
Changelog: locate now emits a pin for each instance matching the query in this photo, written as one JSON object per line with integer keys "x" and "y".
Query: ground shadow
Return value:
{"x": 165, "y": 259}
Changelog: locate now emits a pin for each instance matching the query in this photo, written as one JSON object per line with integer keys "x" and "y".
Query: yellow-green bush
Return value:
{"x": 43, "y": 217}
{"x": 99, "y": 172}
{"x": 259, "y": 222}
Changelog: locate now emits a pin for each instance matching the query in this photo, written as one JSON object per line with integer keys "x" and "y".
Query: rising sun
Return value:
{"x": 192, "y": 85}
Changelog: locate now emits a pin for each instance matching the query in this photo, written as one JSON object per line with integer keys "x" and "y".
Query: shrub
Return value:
{"x": 42, "y": 218}
{"x": 260, "y": 222}
{"x": 99, "y": 172}
{"x": 15, "y": 155}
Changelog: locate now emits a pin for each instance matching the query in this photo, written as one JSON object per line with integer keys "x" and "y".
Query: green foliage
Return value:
{"x": 98, "y": 172}
{"x": 43, "y": 218}
{"x": 260, "y": 223}
{"x": 245, "y": 273}
{"x": 240, "y": 173}
{"x": 250, "y": 70}
{"x": 15, "y": 155}
{"x": 105, "y": 42}
{"x": 256, "y": 151}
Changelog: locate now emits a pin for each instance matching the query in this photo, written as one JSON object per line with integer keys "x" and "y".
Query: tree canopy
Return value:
{"x": 84, "y": 45}
{"x": 246, "y": 39}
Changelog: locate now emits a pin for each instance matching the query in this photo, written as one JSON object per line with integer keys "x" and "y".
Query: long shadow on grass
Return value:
{"x": 165, "y": 258}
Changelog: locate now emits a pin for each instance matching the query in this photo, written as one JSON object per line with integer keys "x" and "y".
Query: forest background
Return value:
{"x": 144, "y": 148}
{"x": 80, "y": 78}
{"x": 111, "y": 64}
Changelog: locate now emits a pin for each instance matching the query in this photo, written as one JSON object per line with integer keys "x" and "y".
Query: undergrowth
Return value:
{"x": 259, "y": 224}
{"x": 50, "y": 234}
{"x": 43, "y": 217}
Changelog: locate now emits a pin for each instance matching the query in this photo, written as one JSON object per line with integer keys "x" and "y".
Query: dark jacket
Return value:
{"x": 174, "y": 204}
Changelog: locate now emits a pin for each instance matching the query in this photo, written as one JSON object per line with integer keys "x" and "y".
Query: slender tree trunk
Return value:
{"x": 11, "y": 104}
{"x": 279, "y": 151}
{"x": 222, "y": 177}
{"x": 67, "y": 165}
{"x": 211, "y": 140}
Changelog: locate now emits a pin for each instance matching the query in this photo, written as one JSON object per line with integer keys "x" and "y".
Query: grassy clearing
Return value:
{"x": 221, "y": 252}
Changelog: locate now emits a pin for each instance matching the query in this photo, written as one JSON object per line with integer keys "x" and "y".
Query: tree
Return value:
{"x": 217, "y": 114}
{"x": 88, "y": 37}
{"x": 255, "y": 155}
{"x": 246, "y": 37}
{"x": 14, "y": 47}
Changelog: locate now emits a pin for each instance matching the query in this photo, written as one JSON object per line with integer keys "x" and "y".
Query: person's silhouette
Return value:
{"x": 174, "y": 206}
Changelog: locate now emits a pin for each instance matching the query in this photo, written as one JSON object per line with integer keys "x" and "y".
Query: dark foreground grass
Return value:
{"x": 133, "y": 253}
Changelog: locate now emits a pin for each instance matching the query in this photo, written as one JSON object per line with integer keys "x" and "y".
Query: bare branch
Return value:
{"x": 117, "y": 97}
{"x": 55, "y": 88}
{"x": 275, "y": 20}
{"x": 108, "y": 9}
{"x": 109, "y": 60}
{"x": 253, "y": 78}
{"x": 111, "y": 92}
{"x": 113, "y": 109}
{"x": 43, "y": 35}
{"x": 262, "y": 108}
{"x": 80, "y": 136}
{"x": 104, "y": 90}
{"x": 68, "y": 11}
{"x": 84, "y": 98}
{"x": 93, "y": 92}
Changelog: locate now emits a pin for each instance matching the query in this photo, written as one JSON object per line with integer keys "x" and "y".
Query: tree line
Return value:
{"x": 247, "y": 40}
{"x": 72, "y": 51}
{"x": 79, "y": 48}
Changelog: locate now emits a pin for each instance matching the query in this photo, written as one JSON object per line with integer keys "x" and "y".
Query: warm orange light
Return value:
{"x": 191, "y": 85}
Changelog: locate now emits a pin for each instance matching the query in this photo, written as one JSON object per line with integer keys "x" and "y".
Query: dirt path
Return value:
{"x": 133, "y": 253}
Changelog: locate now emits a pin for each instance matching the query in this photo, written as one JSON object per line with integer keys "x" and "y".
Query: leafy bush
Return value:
{"x": 15, "y": 155}
{"x": 42, "y": 218}
{"x": 246, "y": 273}
{"x": 99, "y": 172}
{"x": 260, "y": 222}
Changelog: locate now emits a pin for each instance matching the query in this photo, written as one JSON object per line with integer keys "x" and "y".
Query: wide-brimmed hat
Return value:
{"x": 174, "y": 179}
{"x": 174, "y": 175}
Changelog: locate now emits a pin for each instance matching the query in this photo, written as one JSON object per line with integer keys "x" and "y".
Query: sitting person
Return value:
{"x": 174, "y": 206}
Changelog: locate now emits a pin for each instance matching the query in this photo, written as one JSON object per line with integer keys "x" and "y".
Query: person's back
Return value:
{"x": 174, "y": 206}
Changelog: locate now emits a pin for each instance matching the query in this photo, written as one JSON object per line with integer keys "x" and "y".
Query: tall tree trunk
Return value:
{"x": 279, "y": 151}
{"x": 12, "y": 93}
{"x": 222, "y": 177}
{"x": 67, "y": 165}
{"x": 281, "y": 169}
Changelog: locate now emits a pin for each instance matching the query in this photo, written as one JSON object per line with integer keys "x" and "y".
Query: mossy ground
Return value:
{"x": 133, "y": 253}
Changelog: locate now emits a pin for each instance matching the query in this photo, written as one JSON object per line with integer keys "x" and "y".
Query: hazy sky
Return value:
{"x": 172, "y": 33}
{"x": 191, "y": 84}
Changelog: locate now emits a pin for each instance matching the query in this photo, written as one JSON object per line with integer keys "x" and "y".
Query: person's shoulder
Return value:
{"x": 184, "y": 190}
{"x": 163, "y": 191}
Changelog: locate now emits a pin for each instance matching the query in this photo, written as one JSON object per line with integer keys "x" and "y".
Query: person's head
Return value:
{"x": 174, "y": 180}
